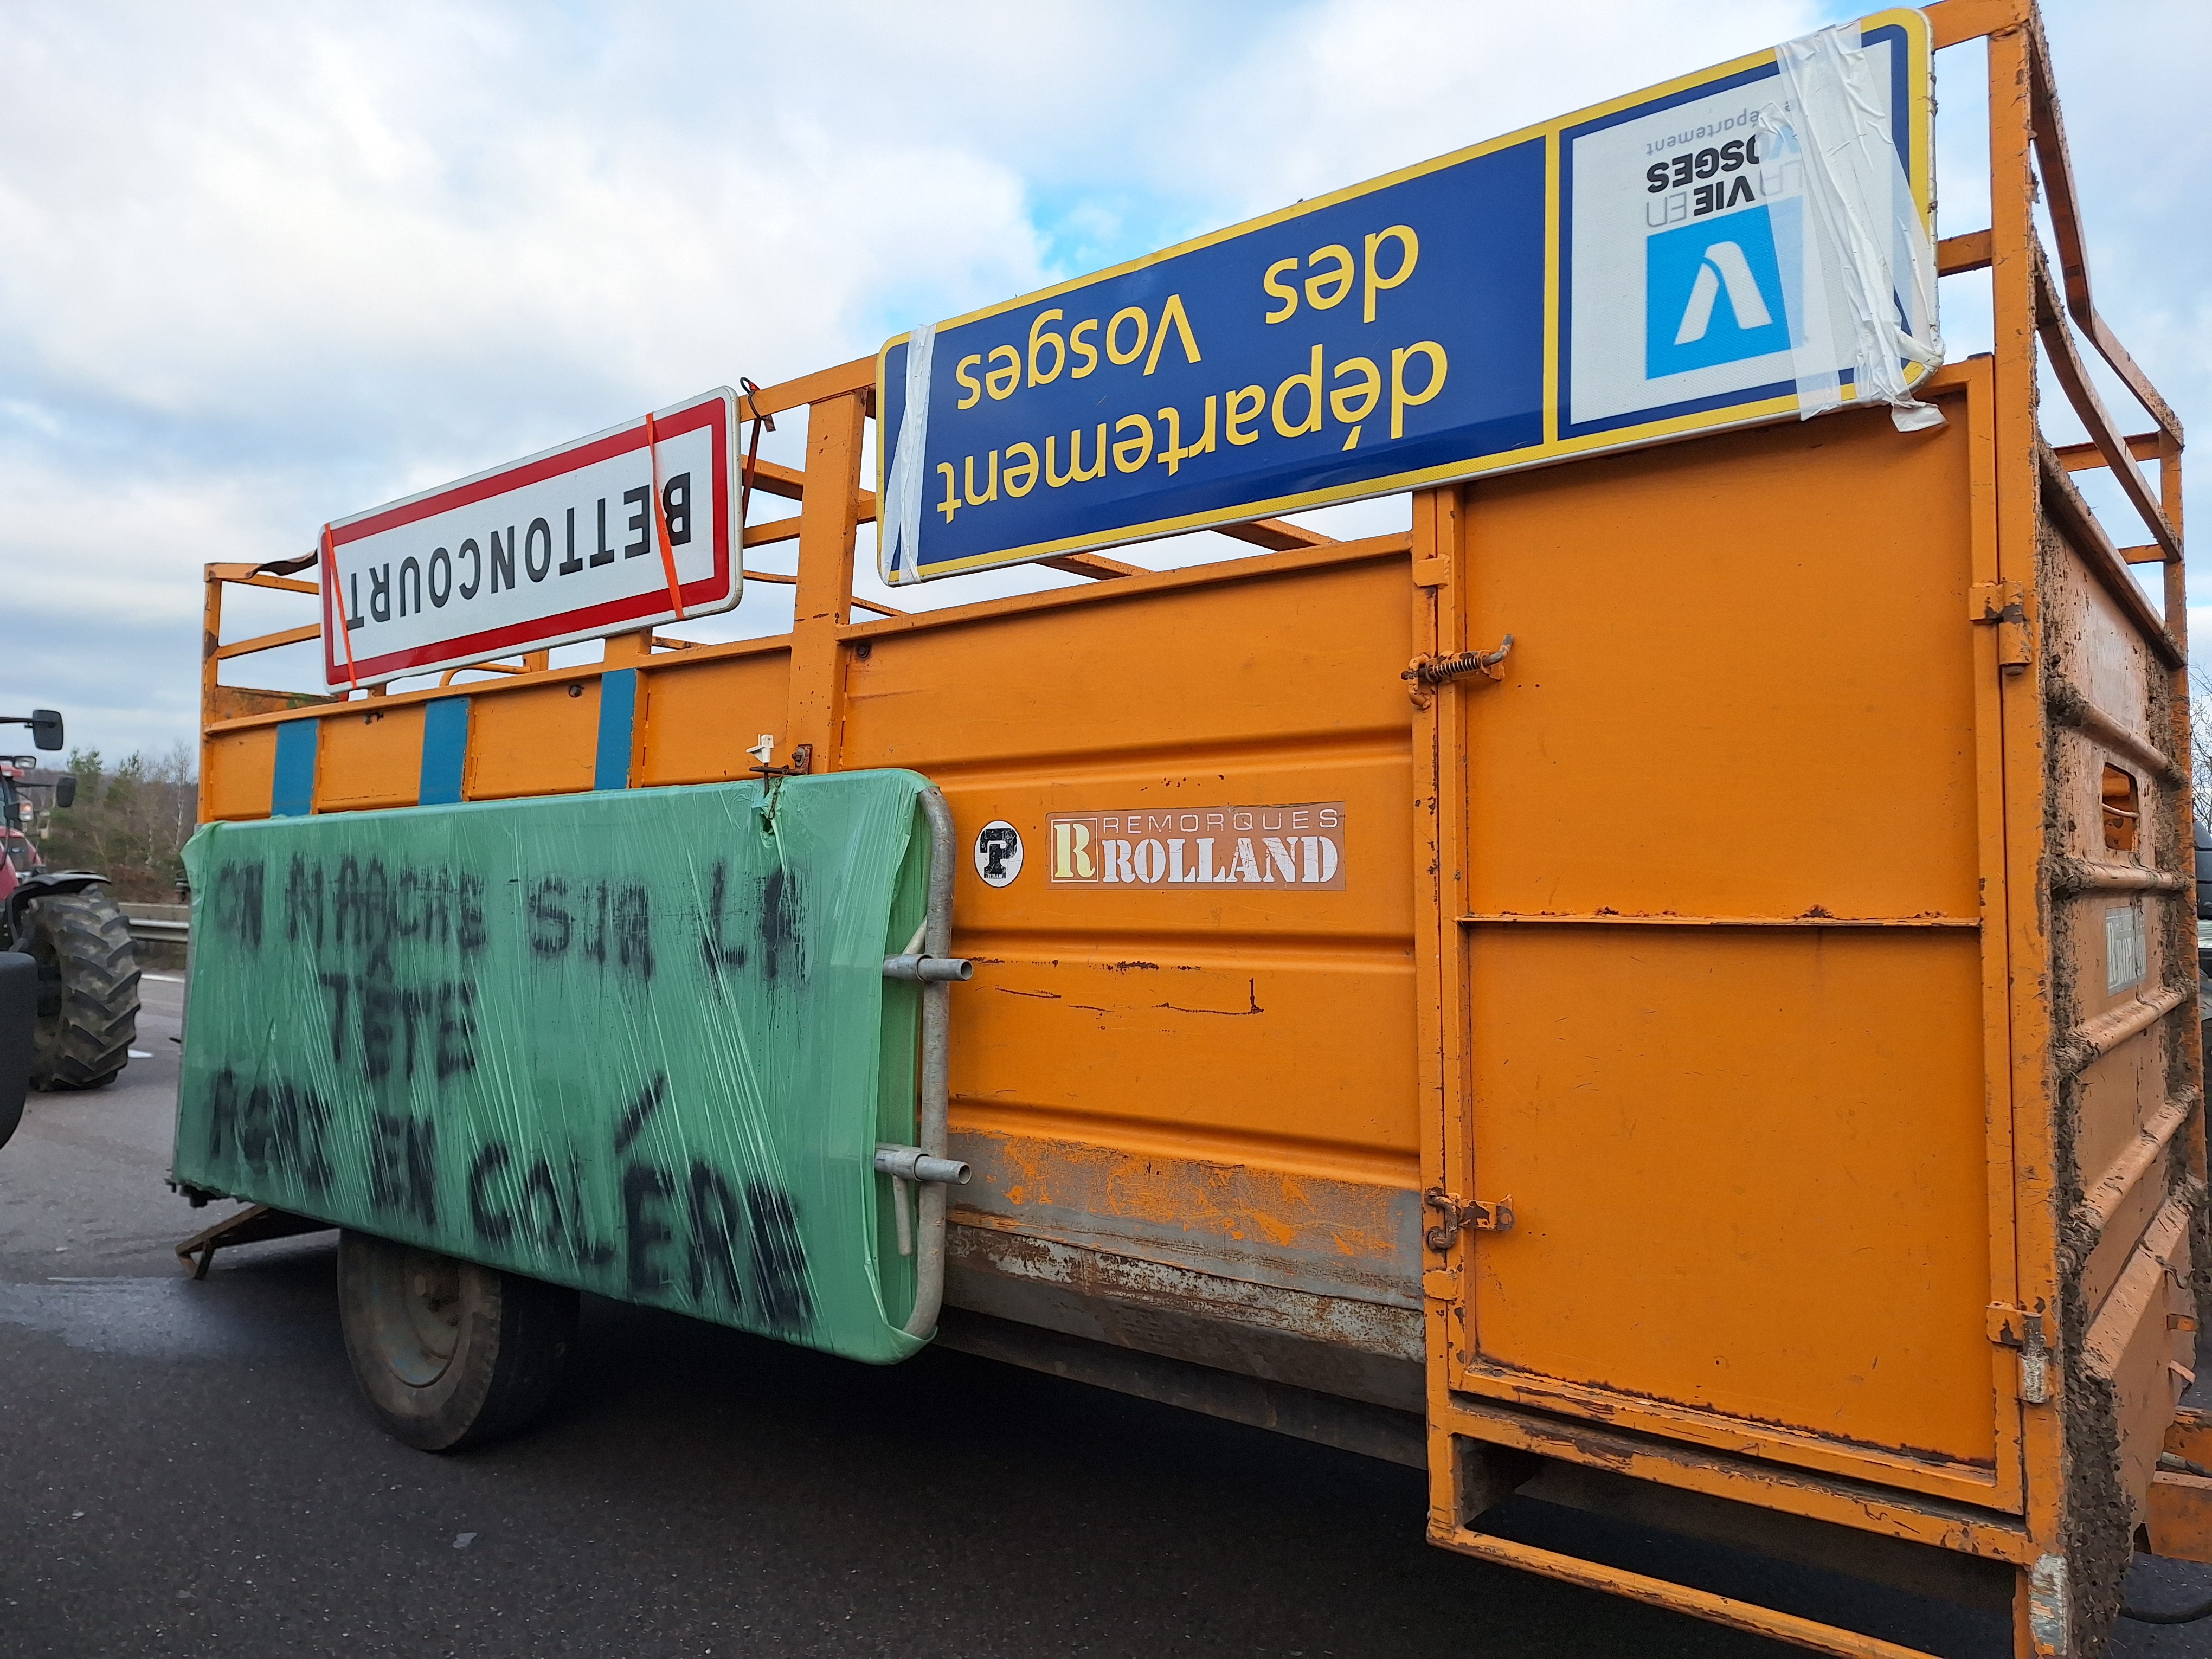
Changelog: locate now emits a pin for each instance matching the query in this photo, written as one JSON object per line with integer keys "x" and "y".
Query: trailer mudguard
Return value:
{"x": 639, "y": 1041}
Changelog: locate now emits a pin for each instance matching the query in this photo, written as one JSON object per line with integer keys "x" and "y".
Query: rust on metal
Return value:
{"x": 1495, "y": 1216}
{"x": 253, "y": 1225}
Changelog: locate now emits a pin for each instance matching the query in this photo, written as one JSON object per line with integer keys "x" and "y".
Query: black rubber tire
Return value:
{"x": 82, "y": 939}
{"x": 449, "y": 1354}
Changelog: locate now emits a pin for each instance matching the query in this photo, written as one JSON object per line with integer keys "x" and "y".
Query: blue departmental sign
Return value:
{"x": 1398, "y": 328}
{"x": 1617, "y": 277}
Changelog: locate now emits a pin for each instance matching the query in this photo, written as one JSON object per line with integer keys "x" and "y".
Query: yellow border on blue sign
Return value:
{"x": 1919, "y": 80}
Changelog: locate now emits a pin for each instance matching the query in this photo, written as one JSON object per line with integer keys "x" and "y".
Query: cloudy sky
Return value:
{"x": 262, "y": 266}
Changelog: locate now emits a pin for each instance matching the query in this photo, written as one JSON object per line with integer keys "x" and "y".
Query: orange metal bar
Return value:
{"x": 2180, "y": 818}
{"x": 2071, "y": 515}
{"x": 786, "y": 530}
{"x": 447, "y": 678}
{"x": 1680, "y": 1598}
{"x": 2036, "y": 1194}
{"x": 827, "y": 518}
{"x": 660, "y": 519}
{"x": 2190, "y": 1435}
{"x": 1093, "y": 565}
{"x": 857, "y": 376}
{"x": 1957, "y": 254}
{"x": 1759, "y": 1481}
{"x": 2180, "y": 1518}
{"x": 2086, "y": 458}
{"x": 1278, "y": 533}
{"x": 247, "y": 575}
{"x": 2056, "y": 168}
{"x": 269, "y": 641}
{"x": 210, "y": 665}
{"x": 771, "y": 479}
{"x": 1953, "y": 21}
{"x": 788, "y": 482}
{"x": 2082, "y": 392}
{"x": 1625, "y": 919}
{"x": 1446, "y": 1105}
{"x": 345, "y": 633}
{"x": 635, "y": 645}
{"x": 1194, "y": 577}
{"x": 1990, "y": 854}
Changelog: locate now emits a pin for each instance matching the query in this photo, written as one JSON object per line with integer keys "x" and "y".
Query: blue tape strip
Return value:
{"x": 292, "y": 791}
{"x": 617, "y": 711}
{"x": 445, "y": 750}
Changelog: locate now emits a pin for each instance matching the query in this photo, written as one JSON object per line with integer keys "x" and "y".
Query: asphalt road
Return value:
{"x": 184, "y": 1469}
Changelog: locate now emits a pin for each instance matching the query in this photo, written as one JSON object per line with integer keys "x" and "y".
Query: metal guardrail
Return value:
{"x": 159, "y": 924}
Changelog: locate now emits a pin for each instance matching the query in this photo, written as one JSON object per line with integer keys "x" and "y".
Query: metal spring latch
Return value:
{"x": 1424, "y": 674}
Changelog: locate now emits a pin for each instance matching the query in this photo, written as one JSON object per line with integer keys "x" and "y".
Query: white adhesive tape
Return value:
{"x": 1867, "y": 270}
{"x": 899, "y": 514}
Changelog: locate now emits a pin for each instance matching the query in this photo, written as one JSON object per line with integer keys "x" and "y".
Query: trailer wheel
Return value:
{"x": 448, "y": 1353}
{"x": 88, "y": 990}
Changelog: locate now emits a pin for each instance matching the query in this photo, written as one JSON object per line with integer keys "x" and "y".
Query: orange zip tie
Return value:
{"x": 660, "y": 517}
{"x": 345, "y": 633}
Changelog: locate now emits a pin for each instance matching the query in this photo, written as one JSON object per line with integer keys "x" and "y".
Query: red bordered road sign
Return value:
{"x": 558, "y": 547}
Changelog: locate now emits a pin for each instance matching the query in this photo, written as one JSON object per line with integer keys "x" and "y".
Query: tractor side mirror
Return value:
{"x": 65, "y": 791}
{"x": 46, "y": 728}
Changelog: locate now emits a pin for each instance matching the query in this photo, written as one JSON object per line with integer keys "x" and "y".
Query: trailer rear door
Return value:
{"x": 1721, "y": 895}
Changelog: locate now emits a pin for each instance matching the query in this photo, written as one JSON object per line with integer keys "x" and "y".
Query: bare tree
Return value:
{"x": 2200, "y": 744}
{"x": 130, "y": 823}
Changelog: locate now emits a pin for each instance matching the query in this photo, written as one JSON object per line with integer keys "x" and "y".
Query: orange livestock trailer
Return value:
{"x": 1729, "y": 1060}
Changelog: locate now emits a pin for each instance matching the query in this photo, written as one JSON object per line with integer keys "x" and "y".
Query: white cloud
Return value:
{"x": 425, "y": 234}
{"x": 128, "y": 549}
{"x": 267, "y": 264}
{"x": 1353, "y": 88}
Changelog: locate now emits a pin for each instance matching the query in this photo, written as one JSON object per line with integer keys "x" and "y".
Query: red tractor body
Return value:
{"x": 86, "y": 998}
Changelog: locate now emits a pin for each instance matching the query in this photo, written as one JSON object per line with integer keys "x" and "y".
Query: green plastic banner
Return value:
{"x": 638, "y": 1042}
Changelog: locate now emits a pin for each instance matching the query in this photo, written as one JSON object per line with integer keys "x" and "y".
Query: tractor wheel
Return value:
{"x": 88, "y": 990}
{"x": 448, "y": 1353}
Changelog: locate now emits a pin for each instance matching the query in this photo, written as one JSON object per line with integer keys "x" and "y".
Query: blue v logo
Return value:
{"x": 1712, "y": 294}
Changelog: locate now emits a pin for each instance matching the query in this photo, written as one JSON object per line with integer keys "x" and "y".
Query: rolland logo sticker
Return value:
{"x": 1713, "y": 294}
{"x": 1277, "y": 847}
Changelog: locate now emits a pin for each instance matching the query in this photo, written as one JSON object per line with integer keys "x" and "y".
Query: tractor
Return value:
{"x": 82, "y": 995}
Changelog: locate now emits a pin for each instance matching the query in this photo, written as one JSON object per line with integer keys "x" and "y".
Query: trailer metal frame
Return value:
{"x": 2132, "y": 1226}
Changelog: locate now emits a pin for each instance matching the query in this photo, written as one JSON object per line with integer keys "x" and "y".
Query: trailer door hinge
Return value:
{"x": 2003, "y": 604}
{"x": 2025, "y": 1331}
{"x": 1484, "y": 1215}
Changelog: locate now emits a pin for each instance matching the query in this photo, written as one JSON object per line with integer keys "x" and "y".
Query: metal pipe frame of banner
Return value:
{"x": 926, "y": 1165}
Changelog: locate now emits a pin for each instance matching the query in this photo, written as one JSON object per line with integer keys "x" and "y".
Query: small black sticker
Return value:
{"x": 998, "y": 853}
